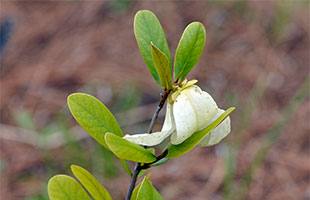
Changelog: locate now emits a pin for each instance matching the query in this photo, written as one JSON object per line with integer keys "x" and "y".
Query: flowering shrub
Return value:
{"x": 192, "y": 116}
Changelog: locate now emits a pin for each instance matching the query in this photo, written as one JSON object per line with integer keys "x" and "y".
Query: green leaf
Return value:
{"x": 63, "y": 187}
{"x": 126, "y": 167}
{"x": 93, "y": 116}
{"x": 180, "y": 149}
{"x": 146, "y": 191}
{"x": 135, "y": 192}
{"x": 189, "y": 50}
{"x": 141, "y": 173}
{"x": 148, "y": 29}
{"x": 162, "y": 67}
{"x": 152, "y": 150}
{"x": 128, "y": 150}
{"x": 95, "y": 189}
{"x": 160, "y": 162}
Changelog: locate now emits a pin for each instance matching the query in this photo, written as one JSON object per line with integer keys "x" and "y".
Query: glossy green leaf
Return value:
{"x": 180, "y": 149}
{"x": 162, "y": 66}
{"x": 95, "y": 189}
{"x": 146, "y": 191}
{"x": 63, "y": 187}
{"x": 127, "y": 150}
{"x": 93, "y": 116}
{"x": 189, "y": 50}
{"x": 148, "y": 29}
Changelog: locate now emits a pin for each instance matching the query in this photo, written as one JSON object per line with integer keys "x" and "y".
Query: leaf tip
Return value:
{"x": 108, "y": 134}
{"x": 73, "y": 167}
{"x": 232, "y": 109}
{"x": 199, "y": 24}
{"x": 144, "y": 11}
{"x": 72, "y": 96}
{"x": 107, "y": 138}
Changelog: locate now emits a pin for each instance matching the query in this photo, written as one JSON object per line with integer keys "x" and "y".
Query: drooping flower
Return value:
{"x": 189, "y": 109}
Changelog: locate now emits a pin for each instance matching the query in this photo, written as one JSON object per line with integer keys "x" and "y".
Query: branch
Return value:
{"x": 138, "y": 167}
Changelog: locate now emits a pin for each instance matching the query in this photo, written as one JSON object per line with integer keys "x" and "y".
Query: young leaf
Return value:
{"x": 189, "y": 50}
{"x": 93, "y": 116}
{"x": 127, "y": 150}
{"x": 161, "y": 63}
{"x": 146, "y": 191}
{"x": 180, "y": 149}
{"x": 135, "y": 192}
{"x": 160, "y": 162}
{"x": 141, "y": 173}
{"x": 63, "y": 187}
{"x": 95, "y": 189}
{"x": 148, "y": 29}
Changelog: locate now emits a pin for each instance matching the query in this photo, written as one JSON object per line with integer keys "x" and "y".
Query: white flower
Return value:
{"x": 189, "y": 109}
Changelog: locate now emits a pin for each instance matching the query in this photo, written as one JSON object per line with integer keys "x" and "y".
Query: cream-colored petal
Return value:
{"x": 148, "y": 139}
{"x": 156, "y": 137}
{"x": 217, "y": 134}
{"x": 204, "y": 105}
{"x": 169, "y": 121}
{"x": 184, "y": 118}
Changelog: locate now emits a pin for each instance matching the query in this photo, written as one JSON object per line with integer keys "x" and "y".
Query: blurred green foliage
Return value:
{"x": 233, "y": 145}
{"x": 24, "y": 119}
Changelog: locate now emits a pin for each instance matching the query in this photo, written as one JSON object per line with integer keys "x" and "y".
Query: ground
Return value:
{"x": 256, "y": 58}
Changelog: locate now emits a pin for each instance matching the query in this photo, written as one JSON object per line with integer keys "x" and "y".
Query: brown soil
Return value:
{"x": 58, "y": 47}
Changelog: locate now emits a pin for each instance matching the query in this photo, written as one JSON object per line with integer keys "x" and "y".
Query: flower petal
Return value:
{"x": 169, "y": 120}
{"x": 185, "y": 119}
{"x": 204, "y": 105}
{"x": 148, "y": 139}
{"x": 217, "y": 134}
{"x": 156, "y": 137}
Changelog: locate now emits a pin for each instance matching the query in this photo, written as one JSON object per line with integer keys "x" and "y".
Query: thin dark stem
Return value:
{"x": 138, "y": 167}
{"x": 158, "y": 109}
{"x": 133, "y": 180}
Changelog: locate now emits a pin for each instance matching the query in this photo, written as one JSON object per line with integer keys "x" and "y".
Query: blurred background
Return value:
{"x": 256, "y": 59}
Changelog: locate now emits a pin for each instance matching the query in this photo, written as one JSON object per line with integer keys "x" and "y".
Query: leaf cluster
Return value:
{"x": 100, "y": 123}
{"x": 156, "y": 54}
